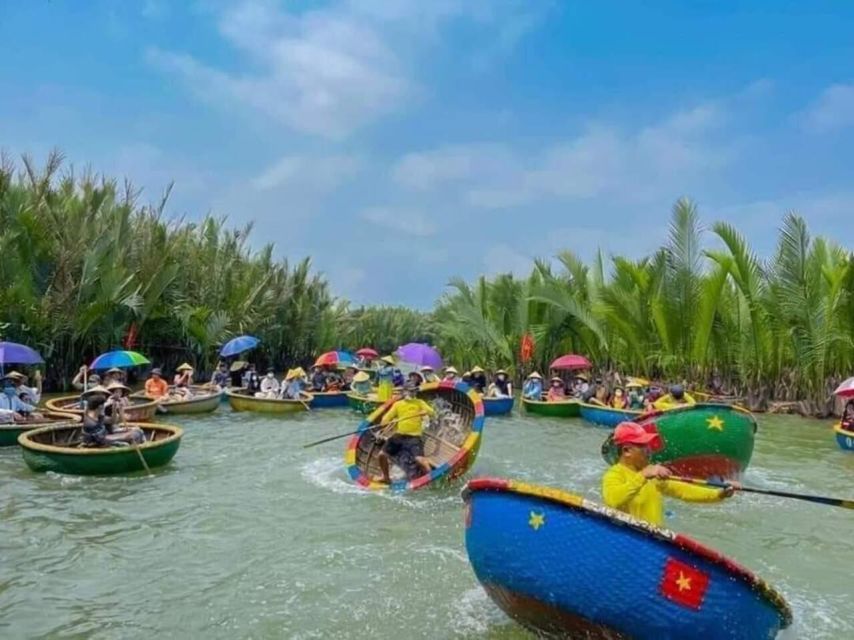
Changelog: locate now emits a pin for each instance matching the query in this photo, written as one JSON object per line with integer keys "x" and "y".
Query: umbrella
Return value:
{"x": 238, "y": 345}
{"x": 367, "y": 352}
{"x": 335, "y": 358}
{"x": 846, "y": 389}
{"x": 14, "y": 353}
{"x": 119, "y": 360}
{"x": 570, "y": 362}
{"x": 420, "y": 354}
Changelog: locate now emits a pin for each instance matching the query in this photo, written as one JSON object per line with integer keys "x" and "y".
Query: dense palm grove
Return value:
{"x": 87, "y": 268}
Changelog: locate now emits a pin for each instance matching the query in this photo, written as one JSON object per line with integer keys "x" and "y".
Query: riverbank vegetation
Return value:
{"x": 86, "y": 267}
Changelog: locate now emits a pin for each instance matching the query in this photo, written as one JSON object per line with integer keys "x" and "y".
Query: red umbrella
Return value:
{"x": 571, "y": 361}
{"x": 846, "y": 389}
{"x": 367, "y": 352}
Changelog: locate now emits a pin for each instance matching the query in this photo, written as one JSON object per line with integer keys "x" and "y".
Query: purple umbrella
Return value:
{"x": 14, "y": 353}
{"x": 420, "y": 354}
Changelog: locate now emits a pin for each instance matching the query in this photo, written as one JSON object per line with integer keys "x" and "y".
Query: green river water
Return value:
{"x": 248, "y": 535}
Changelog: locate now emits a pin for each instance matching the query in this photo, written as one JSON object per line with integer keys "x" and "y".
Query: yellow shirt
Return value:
{"x": 669, "y": 402}
{"x": 627, "y": 490}
{"x": 408, "y": 411}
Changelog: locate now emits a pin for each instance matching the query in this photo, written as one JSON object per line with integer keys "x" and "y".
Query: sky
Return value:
{"x": 400, "y": 143}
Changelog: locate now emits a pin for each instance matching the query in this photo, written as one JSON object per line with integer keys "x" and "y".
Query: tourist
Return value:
{"x": 251, "y": 379}
{"x": 347, "y": 381}
{"x": 30, "y": 395}
{"x": 220, "y": 377}
{"x": 12, "y": 408}
{"x": 156, "y": 387}
{"x": 415, "y": 378}
{"x": 385, "y": 379}
{"x": 557, "y": 392}
{"x": 296, "y": 382}
{"x": 183, "y": 375}
{"x": 101, "y": 430}
{"x": 847, "y": 422}
{"x": 636, "y": 396}
{"x": 501, "y": 386}
{"x": 116, "y": 403}
{"x": 618, "y": 399}
{"x": 451, "y": 374}
{"x": 269, "y": 386}
{"x": 466, "y": 378}
{"x": 582, "y": 385}
{"x": 406, "y": 445}
{"x": 397, "y": 379}
{"x": 237, "y": 372}
{"x": 81, "y": 380}
{"x": 533, "y": 387}
{"x": 429, "y": 374}
{"x": 478, "y": 379}
{"x": 636, "y": 487}
{"x": 318, "y": 378}
{"x": 113, "y": 375}
{"x": 362, "y": 383}
{"x": 676, "y": 398}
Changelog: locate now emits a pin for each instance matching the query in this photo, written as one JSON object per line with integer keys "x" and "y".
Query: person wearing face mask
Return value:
{"x": 501, "y": 387}
{"x": 12, "y": 408}
{"x": 30, "y": 395}
{"x": 251, "y": 379}
{"x": 556, "y": 391}
{"x": 269, "y": 385}
{"x": 183, "y": 375}
{"x": 636, "y": 487}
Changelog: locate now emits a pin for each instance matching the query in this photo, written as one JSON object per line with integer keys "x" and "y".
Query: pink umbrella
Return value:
{"x": 571, "y": 361}
{"x": 367, "y": 352}
{"x": 846, "y": 389}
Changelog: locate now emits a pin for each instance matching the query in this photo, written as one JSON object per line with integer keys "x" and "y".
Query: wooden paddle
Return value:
{"x": 352, "y": 433}
{"x": 833, "y": 502}
{"x": 134, "y": 446}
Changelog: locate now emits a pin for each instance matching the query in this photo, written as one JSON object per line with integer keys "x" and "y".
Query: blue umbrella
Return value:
{"x": 238, "y": 345}
{"x": 14, "y": 353}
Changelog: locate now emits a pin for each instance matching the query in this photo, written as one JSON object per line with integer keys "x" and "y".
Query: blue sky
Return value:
{"x": 403, "y": 142}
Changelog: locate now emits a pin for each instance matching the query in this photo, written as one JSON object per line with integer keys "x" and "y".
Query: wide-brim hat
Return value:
{"x": 427, "y": 367}
{"x": 185, "y": 367}
{"x": 476, "y": 369}
{"x": 387, "y": 359}
{"x": 634, "y": 384}
{"x": 17, "y": 375}
{"x": 361, "y": 377}
{"x": 117, "y": 385}
{"x": 467, "y": 374}
{"x": 501, "y": 372}
{"x": 556, "y": 379}
{"x": 291, "y": 374}
{"x": 452, "y": 370}
{"x": 299, "y": 371}
{"x": 96, "y": 390}
{"x": 237, "y": 365}
{"x": 535, "y": 375}
{"x": 582, "y": 376}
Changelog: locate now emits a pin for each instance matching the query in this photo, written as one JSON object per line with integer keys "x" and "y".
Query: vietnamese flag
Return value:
{"x": 684, "y": 584}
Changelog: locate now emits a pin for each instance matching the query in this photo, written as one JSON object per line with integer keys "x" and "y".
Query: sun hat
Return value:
{"x": 96, "y": 390}
{"x": 387, "y": 359}
{"x": 156, "y": 371}
{"x": 452, "y": 370}
{"x": 582, "y": 376}
{"x": 117, "y": 385}
{"x": 633, "y": 433}
{"x": 361, "y": 377}
{"x": 476, "y": 369}
{"x": 633, "y": 384}
{"x": 184, "y": 367}
{"x": 556, "y": 379}
{"x": 467, "y": 374}
{"x": 426, "y": 367}
{"x": 237, "y": 365}
{"x": 115, "y": 370}
{"x": 535, "y": 375}
{"x": 501, "y": 372}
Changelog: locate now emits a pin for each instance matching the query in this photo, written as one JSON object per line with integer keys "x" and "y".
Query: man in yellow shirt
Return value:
{"x": 406, "y": 445}
{"x": 638, "y": 488}
{"x": 676, "y": 398}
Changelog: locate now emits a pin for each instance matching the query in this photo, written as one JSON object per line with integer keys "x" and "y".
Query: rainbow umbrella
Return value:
{"x": 570, "y": 362}
{"x": 335, "y": 359}
{"x": 119, "y": 360}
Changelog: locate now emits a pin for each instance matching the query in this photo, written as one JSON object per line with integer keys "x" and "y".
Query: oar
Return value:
{"x": 135, "y": 447}
{"x": 833, "y": 502}
{"x": 352, "y": 433}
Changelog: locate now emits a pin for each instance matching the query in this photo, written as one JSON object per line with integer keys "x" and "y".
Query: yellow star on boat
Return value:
{"x": 684, "y": 582}
{"x": 537, "y": 520}
{"x": 715, "y": 423}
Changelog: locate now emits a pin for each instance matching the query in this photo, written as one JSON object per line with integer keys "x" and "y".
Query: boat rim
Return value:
{"x": 57, "y": 415}
{"x": 686, "y": 543}
{"x": 629, "y": 412}
{"x": 553, "y": 403}
{"x": 305, "y": 397}
{"x": 175, "y": 433}
{"x": 840, "y": 430}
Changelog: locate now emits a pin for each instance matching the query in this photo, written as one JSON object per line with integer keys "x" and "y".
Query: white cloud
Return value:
{"x": 406, "y": 221}
{"x": 502, "y": 258}
{"x": 833, "y": 110}
{"x": 311, "y": 173}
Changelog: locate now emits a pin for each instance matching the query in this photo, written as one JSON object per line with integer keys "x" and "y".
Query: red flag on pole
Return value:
{"x": 526, "y": 349}
{"x": 684, "y": 584}
{"x": 130, "y": 338}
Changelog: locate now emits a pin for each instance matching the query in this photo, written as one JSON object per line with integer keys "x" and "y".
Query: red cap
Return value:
{"x": 633, "y": 433}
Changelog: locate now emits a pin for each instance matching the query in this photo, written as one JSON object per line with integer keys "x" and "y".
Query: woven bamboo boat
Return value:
{"x": 845, "y": 439}
{"x": 9, "y": 432}
{"x": 140, "y": 409}
{"x": 364, "y": 404}
{"x": 203, "y": 401}
{"x": 328, "y": 399}
{"x": 59, "y": 449}
{"x": 498, "y": 406}
{"x": 603, "y": 416}
{"x": 451, "y": 440}
{"x": 244, "y": 400}
{"x": 701, "y": 440}
{"x": 565, "y": 409}
{"x": 551, "y": 560}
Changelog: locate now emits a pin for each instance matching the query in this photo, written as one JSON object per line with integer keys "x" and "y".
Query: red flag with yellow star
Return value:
{"x": 684, "y": 584}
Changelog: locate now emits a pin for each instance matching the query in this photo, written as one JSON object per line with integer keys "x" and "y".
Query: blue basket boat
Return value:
{"x": 497, "y": 406}
{"x": 845, "y": 439}
{"x": 563, "y": 566}
{"x": 603, "y": 416}
{"x": 328, "y": 399}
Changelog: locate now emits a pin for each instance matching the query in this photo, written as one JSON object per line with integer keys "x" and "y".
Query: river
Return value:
{"x": 249, "y": 535}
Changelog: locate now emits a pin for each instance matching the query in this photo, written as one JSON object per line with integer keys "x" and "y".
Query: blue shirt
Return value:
{"x": 14, "y": 403}
{"x": 386, "y": 373}
{"x": 533, "y": 389}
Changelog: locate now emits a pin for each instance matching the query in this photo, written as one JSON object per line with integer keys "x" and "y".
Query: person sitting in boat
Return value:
{"x": 347, "y": 380}
{"x": 12, "y": 408}
{"x": 451, "y": 374}
{"x": 100, "y": 428}
{"x": 533, "y": 387}
{"x": 557, "y": 392}
{"x": 636, "y": 487}
{"x": 117, "y": 402}
{"x": 156, "y": 387}
{"x": 385, "y": 379}
{"x": 618, "y": 399}
{"x": 92, "y": 380}
{"x": 478, "y": 379}
{"x": 237, "y": 373}
{"x": 295, "y": 380}
{"x": 113, "y": 375}
{"x": 414, "y": 378}
{"x": 362, "y": 384}
{"x": 183, "y": 375}
{"x": 30, "y": 395}
{"x": 429, "y": 374}
{"x": 581, "y": 385}
{"x": 501, "y": 386}
{"x": 269, "y": 386}
{"x": 635, "y": 396}
{"x": 847, "y": 422}
{"x": 466, "y": 378}
{"x": 676, "y": 398}
{"x": 252, "y": 380}
{"x": 318, "y": 378}
{"x": 334, "y": 381}
{"x": 406, "y": 446}
{"x": 220, "y": 378}
{"x": 397, "y": 379}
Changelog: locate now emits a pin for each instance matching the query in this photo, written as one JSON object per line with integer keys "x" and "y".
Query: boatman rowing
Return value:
{"x": 636, "y": 487}
{"x": 406, "y": 445}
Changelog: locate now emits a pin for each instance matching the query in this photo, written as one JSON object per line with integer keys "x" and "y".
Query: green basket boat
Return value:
{"x": 204, "y": 400}
{"x": 140, "y": 410}
{"x": 244, "y": 400}
{"x": 9, "y": 432}
{"x": 566, "y": 409}
{"x": 701, "y": 440}
{"x": 59, "y": 449}
{"x": 364, "y": 404}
